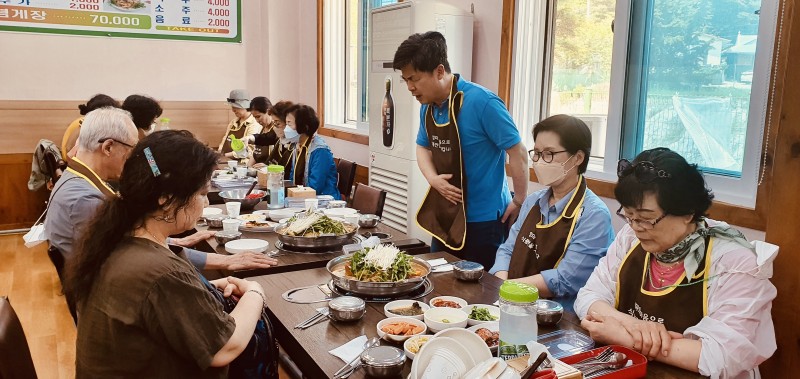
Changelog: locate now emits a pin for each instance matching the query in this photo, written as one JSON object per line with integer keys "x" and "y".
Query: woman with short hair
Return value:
{"x": 675, "y": 285}
{"x": 144, "y": 111}
{"x": 312, "y": 160}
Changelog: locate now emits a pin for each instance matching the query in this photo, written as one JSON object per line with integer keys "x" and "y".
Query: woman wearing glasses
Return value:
{"x": 562, "y": 230}
{"x": 676, "y": 286}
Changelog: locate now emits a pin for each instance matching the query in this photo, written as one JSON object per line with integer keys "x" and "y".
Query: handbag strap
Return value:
{"x": 47, "y": 207}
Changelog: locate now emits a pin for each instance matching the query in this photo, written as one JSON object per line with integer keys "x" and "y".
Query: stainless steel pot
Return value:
{"x": 336, "y": 269}
{"x": 315, "y": 242}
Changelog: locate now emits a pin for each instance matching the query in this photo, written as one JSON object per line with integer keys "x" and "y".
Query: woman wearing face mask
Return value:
{"x": 144, "y": 110}
{"x": 562, "y": 230}
{"x": 312, "y": 160}
{"x": 280, "y": 148}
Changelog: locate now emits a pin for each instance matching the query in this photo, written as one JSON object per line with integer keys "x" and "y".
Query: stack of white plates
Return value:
{"x": 451, "y": 353}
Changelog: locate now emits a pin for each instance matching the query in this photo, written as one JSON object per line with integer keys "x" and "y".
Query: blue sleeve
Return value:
{"x": 322, "y": 173}
{"x": 422, "y": 134}
{"x": 503, "y": 258}
{"x": 592, "y": 236}
{"x": 498, "y": 124}
{"x": 196, "y": 258}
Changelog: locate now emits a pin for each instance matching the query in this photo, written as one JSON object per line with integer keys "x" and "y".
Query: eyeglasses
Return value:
{"x": 644, "y": 224}
{"x": 101, "y": 140}
{"x": 644, "y": 171}
{"x": 546, "y": 156}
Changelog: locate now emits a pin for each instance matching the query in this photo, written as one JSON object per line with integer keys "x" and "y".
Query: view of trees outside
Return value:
{"x": 699, "y": 69}
{"x": 581, "y": 66}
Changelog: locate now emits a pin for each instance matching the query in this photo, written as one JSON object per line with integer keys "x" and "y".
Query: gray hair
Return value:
{"x": 106, "y": 122}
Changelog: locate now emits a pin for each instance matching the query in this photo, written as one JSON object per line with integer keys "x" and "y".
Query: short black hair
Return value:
{"x": 572, "y": 132}
{"x": 96, "y": 102}
{"x": 260, "y": 103}
{"x": 143, "y": 109}
{"x": 305, "y": 119}
{"x": 683, "y": 193}
{"x": 424, "y": 52}
{"x": 280, "y": 109}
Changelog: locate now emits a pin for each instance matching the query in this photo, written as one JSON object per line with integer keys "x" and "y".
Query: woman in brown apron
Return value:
{"x": 241, "y": 127}
{"x": 272, "y": 147}
{"x": 564, "y": 229}
{"x": 676, "y": 286}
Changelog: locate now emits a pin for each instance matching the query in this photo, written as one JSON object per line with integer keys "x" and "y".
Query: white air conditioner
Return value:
{"x": 393, "y": 161}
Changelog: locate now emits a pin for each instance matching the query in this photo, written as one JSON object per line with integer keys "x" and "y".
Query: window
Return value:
{"x": 687, "y": 75}
{"x": 346, "y": 52}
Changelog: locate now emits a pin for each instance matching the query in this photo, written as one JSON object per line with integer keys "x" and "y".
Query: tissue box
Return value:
{"x": 301, "y": 192}
{"x": 261, "y": 176}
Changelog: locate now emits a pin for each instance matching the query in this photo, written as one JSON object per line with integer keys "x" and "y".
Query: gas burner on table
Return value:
{"x": 423, "y": 290}
{"x": 357, "y": 239}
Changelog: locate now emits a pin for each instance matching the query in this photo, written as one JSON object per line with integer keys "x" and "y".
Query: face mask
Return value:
{"x": 549, "y": 173}
{"x": 291, "y": 135}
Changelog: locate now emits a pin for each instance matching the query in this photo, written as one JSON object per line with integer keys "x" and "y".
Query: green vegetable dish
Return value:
{"x": 481, "y": 314}
{"x": 382, "y": 263}
{"x": 312, "y": 224}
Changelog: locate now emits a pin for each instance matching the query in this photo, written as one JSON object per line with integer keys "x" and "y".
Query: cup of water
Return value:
{"x": 241, "y": 172}
{"x": 230, "y": 225}
{"x": 312, "y": 204}
{"x": 232, "y": 165}
{"x": 233, "y": 208}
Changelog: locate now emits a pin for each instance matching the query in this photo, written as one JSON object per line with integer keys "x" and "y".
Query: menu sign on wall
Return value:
{"x": 205, "y": 20}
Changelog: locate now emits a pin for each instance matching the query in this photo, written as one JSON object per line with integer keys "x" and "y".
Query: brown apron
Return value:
{"x": 261, "y": 153}
{"x": 438, "y": 216}
{"x": 541, "y": 247}
{"x": 300, "y": 156}
{"x": 280, "y": 155}
{"x": 239, "y": 133}
{"x": 678, "y": 308}
{"x": 78, "y": 168}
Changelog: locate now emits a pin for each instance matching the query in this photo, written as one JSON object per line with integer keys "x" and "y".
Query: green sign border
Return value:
{"x": 237, "y": 39}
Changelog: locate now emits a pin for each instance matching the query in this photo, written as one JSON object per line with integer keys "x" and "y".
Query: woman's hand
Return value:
{"x": 606, "y": 329}
{"x": 193, "y": 239}
{"x": 259, "y": 165}
{"x": 235, "y": 286}
{"x": 649, "y": 338}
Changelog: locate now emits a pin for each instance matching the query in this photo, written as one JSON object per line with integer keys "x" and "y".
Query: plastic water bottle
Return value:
{"x": 275, "y": 186}
{"x": 517, "y": 319}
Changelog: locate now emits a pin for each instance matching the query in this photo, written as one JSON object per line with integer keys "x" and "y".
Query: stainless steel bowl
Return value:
{"x": 548, "y": 312}
{"x": 224, "y": 237}
{"x": 315, "y": 242}
{"x": 238, "y": 195}
{"x": 215, "y": 221}
{"x": 347, "y": 308}
{"x": 336, "y": 269}
{"x": 383, "y": 361}
{"x": 368, "y": 221}
{"x": 466, "y": 270}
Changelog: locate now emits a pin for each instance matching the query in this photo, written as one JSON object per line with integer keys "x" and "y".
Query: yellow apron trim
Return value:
{"x": 662, "y": 292}
{"x": 453, "y": 82}
{"x": 86, "y": 178}
{"x": 707, "y": 273}
{"x": 619, "y": 269}
{"x": 580, "y": 179}
{"x": 464, "y": 239}
{"x": 571, "y": 230}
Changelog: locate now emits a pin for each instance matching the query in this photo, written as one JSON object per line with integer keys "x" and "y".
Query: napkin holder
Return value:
{"x": 300, "y": 192}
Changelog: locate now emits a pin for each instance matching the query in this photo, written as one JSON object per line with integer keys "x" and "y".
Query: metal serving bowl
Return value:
{"x": 316, "y": 242}
{"x": 347, "y": 308}
{"x": 223, "y": 237}
{"x": 548, "y": 312}
{"x": 238, "y": 195}
{"x": 368, "y": 221}
{"x": 466, "y": 270}
{"x": 383, "y": 361}
{"x": 215, "y": 221}
{"x": 336, "y": 269}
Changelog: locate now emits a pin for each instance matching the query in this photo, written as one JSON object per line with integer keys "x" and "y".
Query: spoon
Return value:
{"x": 615, "y": 361}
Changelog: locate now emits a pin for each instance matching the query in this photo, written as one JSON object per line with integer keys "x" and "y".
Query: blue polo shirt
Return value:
{"x": 487, "y": 131}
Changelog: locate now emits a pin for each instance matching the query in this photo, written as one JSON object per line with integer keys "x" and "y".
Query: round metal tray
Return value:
{"x": 376, "y": 288}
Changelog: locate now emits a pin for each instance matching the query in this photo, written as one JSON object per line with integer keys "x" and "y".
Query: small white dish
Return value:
{"x": 225, "y": 177}
{"x": 435, "y": 302}
{"x": 247, "y": 245}
{"x": 399, "y": 337}
{"x": 387, "y": 309}
{"x": 280, "y": 214}
{"x": 210, "y": 211}
{"x": 264, "y": 212}
{"x": 413, "y": 340}
{"x": 448, "y": 357}
{"x": 339, "y": 212}
{"x": 444, "y": 318}
{"x": 474, "y": 344}
{"x": 252, "y": 217}
{"x": 494, "y": 311}
{"x": 492, "y": 326}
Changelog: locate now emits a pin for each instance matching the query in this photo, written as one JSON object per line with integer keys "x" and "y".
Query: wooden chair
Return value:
{"x": 347, "y": 174}
{"x": 368, "y": 199}
{"x": 16, "y": 359}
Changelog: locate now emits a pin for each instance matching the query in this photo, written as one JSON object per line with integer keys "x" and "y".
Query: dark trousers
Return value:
{"x": 483, "y": 240}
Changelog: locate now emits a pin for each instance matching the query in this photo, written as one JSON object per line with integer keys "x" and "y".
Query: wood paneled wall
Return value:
{"x": 24, "y": 123}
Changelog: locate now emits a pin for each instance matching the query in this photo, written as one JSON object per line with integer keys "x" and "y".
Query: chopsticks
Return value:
{"x": 321, "y": 314}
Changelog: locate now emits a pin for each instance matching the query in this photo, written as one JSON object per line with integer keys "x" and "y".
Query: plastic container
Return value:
{"x": 563, "y": 343}
{"x": 517, "y": 318}
{"x": 637, "y": 369}
{"x": 275, "y": 186}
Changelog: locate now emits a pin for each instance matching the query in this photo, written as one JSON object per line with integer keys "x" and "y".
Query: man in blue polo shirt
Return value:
{"x": 464, "y": 135}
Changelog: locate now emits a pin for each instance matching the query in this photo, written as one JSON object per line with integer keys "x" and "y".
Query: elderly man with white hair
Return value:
{"x": 106, "y": 138}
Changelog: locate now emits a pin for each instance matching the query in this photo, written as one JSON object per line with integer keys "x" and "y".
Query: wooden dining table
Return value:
{"x": 309, "y": 348}
{"x": 294, "y": 261}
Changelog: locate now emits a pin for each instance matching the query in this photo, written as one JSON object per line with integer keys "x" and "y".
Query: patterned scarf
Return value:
{"x": 692, "y": 248}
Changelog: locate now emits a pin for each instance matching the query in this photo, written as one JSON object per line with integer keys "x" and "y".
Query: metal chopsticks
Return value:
{"x": 321, "y": 314}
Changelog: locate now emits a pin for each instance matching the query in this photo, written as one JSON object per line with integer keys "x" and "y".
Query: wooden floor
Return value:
{"x": 29, "y": 280}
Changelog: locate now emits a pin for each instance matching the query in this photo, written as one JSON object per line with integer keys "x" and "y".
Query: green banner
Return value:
{"x": 199, "y": 20}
